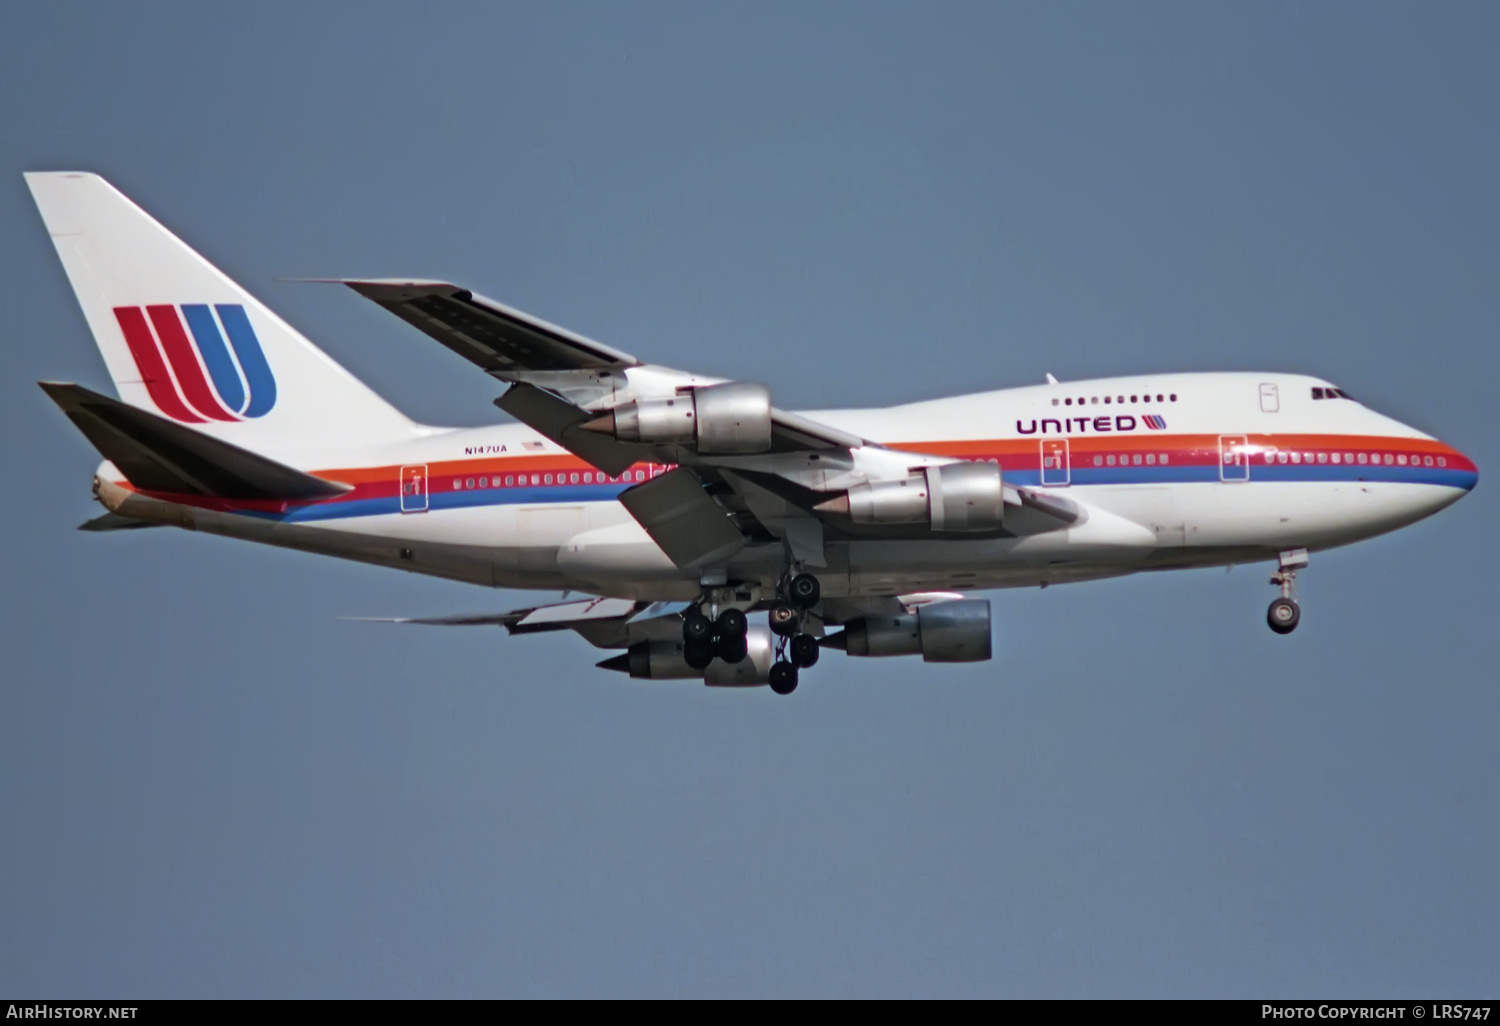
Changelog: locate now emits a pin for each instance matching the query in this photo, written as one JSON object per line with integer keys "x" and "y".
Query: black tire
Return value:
{"x": 783, "y": 678}
{"x": 731, "y": 648}
{"x": 783, "y": 620}
{"x": 733, "y": 624}
{"x": 805, "y": 591}
{"x": 697, "y": 627}
{"x": 1283, "y": 616}
{"x": 804, "y": 650}
{"x": 697, "y": 654}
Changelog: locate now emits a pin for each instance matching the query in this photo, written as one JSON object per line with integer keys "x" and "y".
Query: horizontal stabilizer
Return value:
{"x": 158, "y": 455}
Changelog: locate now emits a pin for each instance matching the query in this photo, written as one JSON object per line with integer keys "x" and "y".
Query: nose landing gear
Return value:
{"x": 1284, "y": 614}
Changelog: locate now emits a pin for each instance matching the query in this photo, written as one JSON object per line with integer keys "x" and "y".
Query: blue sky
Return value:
{"x": 210, "y": 785}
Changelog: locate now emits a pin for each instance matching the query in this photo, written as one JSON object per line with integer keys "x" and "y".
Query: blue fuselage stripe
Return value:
{"x": 1080, "y": 476}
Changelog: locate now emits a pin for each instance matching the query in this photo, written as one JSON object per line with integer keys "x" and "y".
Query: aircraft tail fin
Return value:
{"x": 183, "y": 340}
{"x": 157, "y": 455}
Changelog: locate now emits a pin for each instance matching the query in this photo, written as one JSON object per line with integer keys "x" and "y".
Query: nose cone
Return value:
{"x": 1460, "y": 471}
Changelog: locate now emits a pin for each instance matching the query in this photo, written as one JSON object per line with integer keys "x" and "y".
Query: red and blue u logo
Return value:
{"x": 190, "y": 372}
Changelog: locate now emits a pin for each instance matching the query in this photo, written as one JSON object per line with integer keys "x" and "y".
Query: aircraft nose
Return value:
{"x": 1456, "y": 470}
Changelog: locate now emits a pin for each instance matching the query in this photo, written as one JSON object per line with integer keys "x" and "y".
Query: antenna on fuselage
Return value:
{"x": 1050, "y": 379}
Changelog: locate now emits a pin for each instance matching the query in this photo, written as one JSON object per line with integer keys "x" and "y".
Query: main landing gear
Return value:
{"x": 703, "y": 639}
{"x": 724, "y": 637}
{"x": 794, "y": 650}
{"x": 1284, "y": 614}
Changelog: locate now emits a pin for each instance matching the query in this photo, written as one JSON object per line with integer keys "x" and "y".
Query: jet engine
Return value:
{"x": 952, "y": 497}
{"x": 729, "y": 418}
{"x": 663, "y": 660}
{"x": 948, "y": 632}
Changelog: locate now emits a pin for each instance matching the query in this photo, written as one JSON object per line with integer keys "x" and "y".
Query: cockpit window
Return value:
{"x": 1320, "y": 392}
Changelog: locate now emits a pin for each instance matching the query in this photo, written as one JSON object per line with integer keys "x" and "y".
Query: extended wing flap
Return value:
{"x": 158, "y": 455}
{"x": 691, "y": 528}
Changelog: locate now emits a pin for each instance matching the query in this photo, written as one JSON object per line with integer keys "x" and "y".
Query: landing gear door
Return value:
{"x": 414, "y": 489}
{"x": 1055, "y": 469}
{"x": 1234, "y": 458}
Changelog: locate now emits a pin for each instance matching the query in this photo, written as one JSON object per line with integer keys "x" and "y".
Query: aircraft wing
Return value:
{"x": 515, "y": 346}
{"x": 769, "y": 475}
{"x": 603, "y": 622}
{"x": 493, "y": 336}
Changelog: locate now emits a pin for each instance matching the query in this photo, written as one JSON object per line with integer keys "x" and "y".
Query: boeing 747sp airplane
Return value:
{"x": 682, "y": 505}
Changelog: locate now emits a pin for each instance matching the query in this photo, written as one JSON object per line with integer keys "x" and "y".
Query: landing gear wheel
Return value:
{"x": 804, "y": 650}
{"x": 783, "y": 620}
{"x": 697, "y": 627}
{"x": 783, "y": 678}
{"x": 805, "y": 591}
{"x": 697, "y": 654}
{"x": 732, "y": 648}
{"x": 1283, "y": 616}
{"x": 733, "y": 624}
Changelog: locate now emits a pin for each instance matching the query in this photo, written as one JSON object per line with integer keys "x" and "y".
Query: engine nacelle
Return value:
{"x": 948, "y": 632}
{"x": 727, "y": 419}
{"x": 663, "y": 660}
{"x": 953, "y": 497}
{"x": 659, "y": 660}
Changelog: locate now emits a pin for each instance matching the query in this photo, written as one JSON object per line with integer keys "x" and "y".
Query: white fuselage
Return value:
{"x": 1176, "y": 470}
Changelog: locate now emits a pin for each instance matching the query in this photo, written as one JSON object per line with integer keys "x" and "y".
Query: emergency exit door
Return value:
{"x": 414, "y": 489}
{"x": 1234, "y": 458}
{"x": 1055, "y": 469}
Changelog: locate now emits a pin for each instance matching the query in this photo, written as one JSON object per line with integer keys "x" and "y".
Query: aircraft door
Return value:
{"x": 1234, "y": 458}
{"x": 1270, "y": 398}
{"x": 414, "y": 489}
{"x": 1055, "y": 468}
